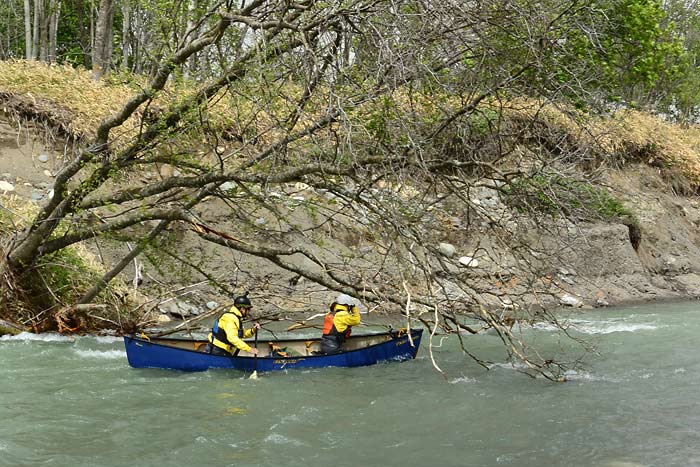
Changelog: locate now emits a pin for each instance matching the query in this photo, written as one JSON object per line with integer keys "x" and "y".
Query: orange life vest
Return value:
{"x": 329, "y": 327}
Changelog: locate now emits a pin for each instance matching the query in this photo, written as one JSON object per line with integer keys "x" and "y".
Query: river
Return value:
{"x": 76, "y": 402}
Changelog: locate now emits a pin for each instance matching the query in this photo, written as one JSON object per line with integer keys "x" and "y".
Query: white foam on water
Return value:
{"x": 603, "y": 327}
{"x": 46, "y": 337}
{"x": 276, "y": 438}
{"x": 396, "y": 445}
{"x": 463, "y": 380}
{"x": 545, "y": 327}
{"x": 509, "y": 366}
{"x": 108, "y": 339}
{"x": 595, "y": 327}
{"x": 573, "y": 375}
{"x": 299, "y": 417}
{"x": 102, "y": 354}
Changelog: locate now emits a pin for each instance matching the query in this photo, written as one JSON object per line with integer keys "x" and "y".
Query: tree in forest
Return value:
{"x": 392, "y": 117}
{"x": 102, "y": 51}
{"x": 682, "y": 98}
{"x": 645, "y": 46}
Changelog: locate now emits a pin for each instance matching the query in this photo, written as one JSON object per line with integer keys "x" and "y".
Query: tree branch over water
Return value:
{"x": 399, "y": 123}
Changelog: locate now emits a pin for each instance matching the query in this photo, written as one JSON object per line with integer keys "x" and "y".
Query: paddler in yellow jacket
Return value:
{"x": 227, "y": 334}
{"x": 338, "y": 323}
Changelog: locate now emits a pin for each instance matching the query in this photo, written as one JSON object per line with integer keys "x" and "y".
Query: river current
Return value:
{"x": 76, "y": 402}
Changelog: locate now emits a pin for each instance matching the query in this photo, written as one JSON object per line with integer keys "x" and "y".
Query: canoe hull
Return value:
{"x": 145, "y": 353}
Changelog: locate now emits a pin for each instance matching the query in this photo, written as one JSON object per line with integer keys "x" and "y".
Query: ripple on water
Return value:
{"x": 573, "y": 375}
{"x": 101, "y": 354}
{"x": 276, "y": 438}
{"x": 463, "y": 380}
{"x": 611, "y": 327}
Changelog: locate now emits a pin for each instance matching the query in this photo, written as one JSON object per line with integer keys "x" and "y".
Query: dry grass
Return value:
{"x": 627, "y": 135}
{"x": 81, "y": 103}
{"x": 76, "y": 103}
{"x": 15, "y": 213}
{"x": 57, "y": 89}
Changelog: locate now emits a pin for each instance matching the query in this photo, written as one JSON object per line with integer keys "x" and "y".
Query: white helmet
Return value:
{"x": 344, "y": 299}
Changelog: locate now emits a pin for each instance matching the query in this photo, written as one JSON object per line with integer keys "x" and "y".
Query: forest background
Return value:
{"x": 472, "y": 165}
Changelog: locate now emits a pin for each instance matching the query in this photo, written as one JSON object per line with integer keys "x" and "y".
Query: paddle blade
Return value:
{"x": 254, "y": 375}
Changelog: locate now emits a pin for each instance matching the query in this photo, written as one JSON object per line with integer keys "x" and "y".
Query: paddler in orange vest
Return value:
{"x": 227, "y": 334}
{"x": 338, "y": 323}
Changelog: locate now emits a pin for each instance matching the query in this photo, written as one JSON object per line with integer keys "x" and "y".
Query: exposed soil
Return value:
{"x": 607, "y": 264}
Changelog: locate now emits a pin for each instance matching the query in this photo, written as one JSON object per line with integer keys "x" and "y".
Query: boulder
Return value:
{"x": 447, "y": 249}
{"x": 570, "y": 300}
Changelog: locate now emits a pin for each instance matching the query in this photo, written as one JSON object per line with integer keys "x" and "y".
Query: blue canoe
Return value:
{"x": 190, "y": 354}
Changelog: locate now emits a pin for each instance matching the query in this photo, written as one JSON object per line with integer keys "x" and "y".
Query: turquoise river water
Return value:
{"x": 76, "y": 402}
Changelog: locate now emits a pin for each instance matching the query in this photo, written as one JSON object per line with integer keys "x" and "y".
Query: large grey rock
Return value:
{"x": 570, "y": 300}
{"x": 447, "y": 249}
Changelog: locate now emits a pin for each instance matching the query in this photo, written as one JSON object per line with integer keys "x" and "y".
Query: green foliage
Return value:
{"x": 380, "y": 121}
{"x": 638, "y": 47}
{"x": 11, "y": 29}
{"x": 555, "y": 195}
{"x": 634, "y": 56}
{"x": 684, "y": 102}
{"x": 66, "y": 274}
{"x": 481, "y": 123}
{"x": 6, "y": 226}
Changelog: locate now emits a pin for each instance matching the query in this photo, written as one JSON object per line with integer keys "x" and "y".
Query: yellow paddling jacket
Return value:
{"x": 228, "y": 332}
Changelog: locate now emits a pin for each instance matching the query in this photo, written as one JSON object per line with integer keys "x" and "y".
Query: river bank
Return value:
{"x": 597, "y": 264}
{"x": 652, "y": 254}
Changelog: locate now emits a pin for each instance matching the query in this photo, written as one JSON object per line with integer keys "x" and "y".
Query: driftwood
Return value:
{"x": 74, "y": 318}
{"x": 7, "y": 327}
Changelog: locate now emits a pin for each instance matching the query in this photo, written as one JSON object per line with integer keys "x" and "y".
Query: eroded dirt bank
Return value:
{"x": 601, "y": 264}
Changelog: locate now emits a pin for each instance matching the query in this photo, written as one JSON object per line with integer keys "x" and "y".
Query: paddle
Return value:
{"x": 255, "y": 358}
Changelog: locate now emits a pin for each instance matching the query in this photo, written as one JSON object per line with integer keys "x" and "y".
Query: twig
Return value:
{"x": 408, "y": 311}
{"x": 430, "y": 346}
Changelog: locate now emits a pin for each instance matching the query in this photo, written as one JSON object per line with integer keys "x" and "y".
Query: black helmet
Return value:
{"x": 242, "y": 301}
